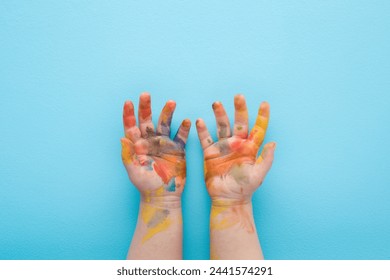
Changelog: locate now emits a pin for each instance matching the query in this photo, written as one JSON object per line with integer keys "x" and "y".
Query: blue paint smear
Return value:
{"x": 171, "y": 187}
{"x": 149, "y": 166}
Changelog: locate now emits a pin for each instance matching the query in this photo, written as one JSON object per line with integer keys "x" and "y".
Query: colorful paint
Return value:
{"x": 155, "y": 163}
{"x": 223, "y": 217}
{"x": 155, "y": 219}
{"x": 231, "y": 166}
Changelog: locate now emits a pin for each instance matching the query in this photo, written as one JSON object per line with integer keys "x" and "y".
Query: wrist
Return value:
{"x": 230, "y": 202}
{"x": 171, "y": 202}
{"x": 231, "y": 215}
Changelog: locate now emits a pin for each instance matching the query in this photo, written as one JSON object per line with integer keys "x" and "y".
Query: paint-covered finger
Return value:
{"x": 203, "y": 134}
{"x": 127, "y": 151}
{"x": 223, "y": 124}
{"x": 164, "y": 122}
{"x": 240, "y": 117}
{"x": 267, "y": 154}
{"x": 145, "y": 115}
{"x": 129, "y": 122}
{"x": 182, "y": 132}
{"x": 258, "y": 131}
{"x": 264, "y": 161}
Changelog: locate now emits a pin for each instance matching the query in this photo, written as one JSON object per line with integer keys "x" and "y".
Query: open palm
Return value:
{"x": 232, "y": 170}
{"x": 155, "y": 164}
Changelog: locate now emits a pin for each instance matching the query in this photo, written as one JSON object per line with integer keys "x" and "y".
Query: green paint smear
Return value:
{"x": 237, "y": 174}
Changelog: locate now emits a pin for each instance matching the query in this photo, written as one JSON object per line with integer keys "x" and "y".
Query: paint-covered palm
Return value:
{"x": 155, "y": 164}
{"x": 232, "y": 170}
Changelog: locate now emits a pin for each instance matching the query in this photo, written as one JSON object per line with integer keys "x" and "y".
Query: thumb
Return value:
{"x": 264, "y": 161}
{"x": 127, "y": 150}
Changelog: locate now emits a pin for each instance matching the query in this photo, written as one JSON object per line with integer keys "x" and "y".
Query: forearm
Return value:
{"x": 159, "y": 231}
{"x": 233, "y": 233}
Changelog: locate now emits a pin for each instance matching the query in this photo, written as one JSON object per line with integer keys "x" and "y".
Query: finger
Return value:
{"x": 127, "y": 151}
{"x": 129, "y": 123}
{"x": 182, "y": 133}
{"x": 258, "y": 131}
{"x": 240, "y": 117}
{"x": 145, "y": 116}
{"x": 203, "y": 134}
{"x": 264, "y": 161}
{"x": 164, "y": 122}
{"x": 223, "y": 124}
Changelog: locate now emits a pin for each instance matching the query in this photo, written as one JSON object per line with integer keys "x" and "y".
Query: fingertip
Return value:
{"x": 200, "y": 123}
{"x": 144, "y": 97}
{"x": 128, "y": 105}
{"x": 216, "y": 105}
{"x": 271, "y": 145}
{"x": 145, "y": 94}
{"x": 264, "y": 105}
{"x": 239, "y": 97}
{"x": 171, "y": 104}
{"x": 239, "y": 101}
{"x": 186, "y": 123}
{"x": 264, "y": 109}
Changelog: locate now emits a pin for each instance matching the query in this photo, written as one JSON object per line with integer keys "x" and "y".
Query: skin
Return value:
{"x": 232, "y": 173}
{"x": 156, "y": 166}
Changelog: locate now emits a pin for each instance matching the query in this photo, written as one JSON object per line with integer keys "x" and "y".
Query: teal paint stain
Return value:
{"x": 149, "y": 165}
{"x": 171, "y": 187}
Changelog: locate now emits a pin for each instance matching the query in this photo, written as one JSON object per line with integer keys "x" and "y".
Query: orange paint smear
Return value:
{"x": 145, "y": 110}
{"x": 241, "y": 152}
{"x": 169, "y": 169}
{"x": 128, "y": 114}
{"x": 162, "y": 171}
{"x": 186, "y": 123}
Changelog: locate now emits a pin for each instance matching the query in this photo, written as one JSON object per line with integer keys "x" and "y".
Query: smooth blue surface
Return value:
{"x": 66, "y": 67}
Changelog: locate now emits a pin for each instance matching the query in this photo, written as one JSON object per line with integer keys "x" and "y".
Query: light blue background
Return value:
{"x": 67, "y": 67}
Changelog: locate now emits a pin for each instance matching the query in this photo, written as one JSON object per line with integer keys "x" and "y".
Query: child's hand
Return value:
{"x": 232, "y": 171}
{"x": 155, "y": 164}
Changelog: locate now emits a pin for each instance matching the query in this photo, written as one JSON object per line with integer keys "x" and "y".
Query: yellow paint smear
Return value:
{"x": 159, "y": 191}
{"x": 220, "y": 219}
{"x": 147, "y": 196}
{"x": 213, "y": 255}
{"x": 148, "y": 213}
{"x": 126, "y": 152}
{"x": 226, "y": 217}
